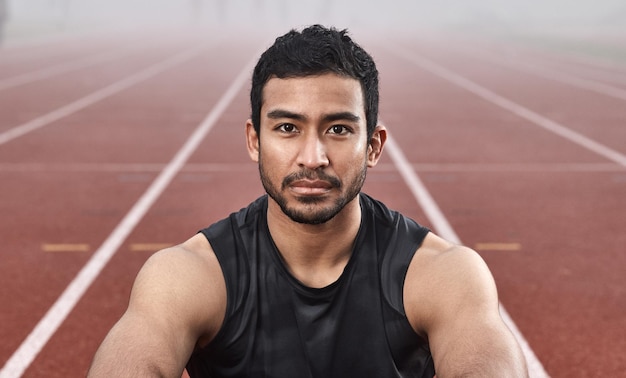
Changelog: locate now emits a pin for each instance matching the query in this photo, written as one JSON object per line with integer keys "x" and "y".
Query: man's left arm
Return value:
{"x": 451, "y": 298}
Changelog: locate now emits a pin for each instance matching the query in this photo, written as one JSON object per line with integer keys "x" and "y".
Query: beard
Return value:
{"x": 312, "y": 214}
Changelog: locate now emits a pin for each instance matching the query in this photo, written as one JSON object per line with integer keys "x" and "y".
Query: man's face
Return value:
{"x": 313, "y": 151}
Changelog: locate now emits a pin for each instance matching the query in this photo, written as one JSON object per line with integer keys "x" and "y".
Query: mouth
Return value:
{"x": 311, "y": 187}
{"x": 310, "y": 184}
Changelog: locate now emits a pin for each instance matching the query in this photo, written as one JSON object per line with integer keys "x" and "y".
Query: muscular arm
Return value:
{"x": 451, "y": 298}
{"x": 177, "y": 301}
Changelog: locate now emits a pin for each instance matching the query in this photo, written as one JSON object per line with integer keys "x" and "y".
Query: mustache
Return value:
{"x": 309, "y": 174}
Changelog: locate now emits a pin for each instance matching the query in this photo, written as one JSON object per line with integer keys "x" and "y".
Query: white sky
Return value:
{"x": 288, "y": 13}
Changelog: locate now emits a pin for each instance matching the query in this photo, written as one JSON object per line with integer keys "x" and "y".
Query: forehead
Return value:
{"x": 327, "y": 92}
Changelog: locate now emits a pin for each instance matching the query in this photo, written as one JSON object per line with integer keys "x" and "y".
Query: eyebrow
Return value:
{"x": 342, "y": 116}
{"x": 280, "y": 113}
{"x": 339, "y": 116}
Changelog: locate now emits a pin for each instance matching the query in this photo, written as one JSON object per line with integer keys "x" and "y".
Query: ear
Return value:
{"x": 376, "y": 144}
{"x": 252, "y": 141}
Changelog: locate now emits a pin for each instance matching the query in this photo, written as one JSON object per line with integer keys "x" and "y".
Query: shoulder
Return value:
{"x": 437, "y": 256}
{"x": 451, "y": 299}
{"x": 187, "y": 264}
{"x": 184, "y": 284}
{"x": 177, "y": 303}
{"x": 444, "y": 278}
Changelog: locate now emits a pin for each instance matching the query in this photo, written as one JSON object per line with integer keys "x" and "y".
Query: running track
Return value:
{"x": 114, "y": 146}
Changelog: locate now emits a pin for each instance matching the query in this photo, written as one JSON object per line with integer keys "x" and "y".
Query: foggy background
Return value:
{"x": 31, "y": 17}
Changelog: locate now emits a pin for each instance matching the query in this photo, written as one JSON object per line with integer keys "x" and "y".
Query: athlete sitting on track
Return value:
{"x": 314, "y": 279}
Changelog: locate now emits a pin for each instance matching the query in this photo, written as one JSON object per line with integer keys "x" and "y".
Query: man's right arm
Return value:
{"x": 177, "y": 302}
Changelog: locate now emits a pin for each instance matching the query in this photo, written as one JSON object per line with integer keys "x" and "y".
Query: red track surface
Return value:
{"x": 546, "y": 213}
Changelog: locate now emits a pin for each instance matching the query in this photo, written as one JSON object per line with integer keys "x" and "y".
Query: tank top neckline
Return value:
{"x": 308, "y": 291}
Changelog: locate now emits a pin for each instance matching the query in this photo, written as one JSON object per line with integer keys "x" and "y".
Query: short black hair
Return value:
{"x": 316, "y": 50}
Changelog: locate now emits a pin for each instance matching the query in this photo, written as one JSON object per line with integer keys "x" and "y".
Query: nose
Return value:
{"x": 312, "y": 153}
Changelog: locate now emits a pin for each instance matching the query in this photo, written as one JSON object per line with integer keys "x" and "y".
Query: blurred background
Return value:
{"x": 26, "y": 18}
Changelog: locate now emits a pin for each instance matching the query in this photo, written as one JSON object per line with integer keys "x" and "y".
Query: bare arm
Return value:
{"x": 177, "y": 301}
{"x": 451, "y": 298}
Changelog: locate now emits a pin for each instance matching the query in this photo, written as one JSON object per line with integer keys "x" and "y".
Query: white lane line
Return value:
{"x": 47, "y": 326}
{"x": 99, "y": 95}
{"x": 58, "y": 69}
{"x": 421, "y": 194}
{"x": 551, "y": 74}
{"x": 511, "y": 106}
{"x": 515, "y": 167}
{"x": 569, "y": 57}
{"x": 445, "y": 230}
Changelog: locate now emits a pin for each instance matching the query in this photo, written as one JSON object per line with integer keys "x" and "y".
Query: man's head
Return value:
{"x": 314, "y": 51}
{"x": 314, "y": 126}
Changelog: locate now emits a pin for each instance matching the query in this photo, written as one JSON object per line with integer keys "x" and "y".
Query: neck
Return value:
{"x": 315, "y": 254}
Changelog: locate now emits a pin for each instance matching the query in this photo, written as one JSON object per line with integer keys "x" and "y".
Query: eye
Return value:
{"x": 339, "y": 130}
{"x": 287, "y": 128}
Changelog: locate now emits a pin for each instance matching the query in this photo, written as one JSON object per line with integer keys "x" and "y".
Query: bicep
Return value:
{"x": 457, "y": 308}
{"x": 477, "y": 344}
{"x": 135, "y": 347}
{"x": 165, "y": 318}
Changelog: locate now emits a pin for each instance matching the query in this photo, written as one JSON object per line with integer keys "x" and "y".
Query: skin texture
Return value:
{"x": 313, "y": 154}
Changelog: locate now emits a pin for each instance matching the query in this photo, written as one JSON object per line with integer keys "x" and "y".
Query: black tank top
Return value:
{"x": 277, "y": 327}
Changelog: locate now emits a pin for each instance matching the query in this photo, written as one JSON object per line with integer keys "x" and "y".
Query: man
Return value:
{"x": 315, "y": 279}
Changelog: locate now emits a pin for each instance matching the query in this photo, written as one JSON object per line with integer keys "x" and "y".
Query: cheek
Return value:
{"x": 357, "y": 155}
{"x": 274, "y": 160}
{"x": 269, "y": 151}
{"x": 278, "y": 153}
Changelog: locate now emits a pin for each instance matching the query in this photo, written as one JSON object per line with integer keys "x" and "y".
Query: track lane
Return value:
{"x": 18, "y": 61}
{"x": 52, "y": 70}
{"x": 544, "y": 211}
{"x": 603, "y": 82}
{"x": 183, "y": 208}
{"x": 578, "y": 124}
{"x": 195, "y": 100}
{"x": 60, "y": 108}
{"x": 594, "y": 68}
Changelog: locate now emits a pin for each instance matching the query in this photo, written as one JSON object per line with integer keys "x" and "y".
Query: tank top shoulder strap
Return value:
{"x": 398, "y": 238}
{"x": 229, "y": 246}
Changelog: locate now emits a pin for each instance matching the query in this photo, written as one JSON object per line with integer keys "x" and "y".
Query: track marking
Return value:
{"x": 140, "y": 247}
{"x": 515, "y": 167}
{"x": 445, "y": 230}
{"x": 552, "y": 74}
{"x": 246, "y": 167}
{"x": 99, "y": 95}
{"x": 47, "y": 326}
{"x": 569, "y": 58}
{"x": 498, "y": 246}
{"x": 597, "y": 74}
{"x": 47, "y": 247}
{"x": 58, "y": 69}
{"x": 81, "y": 167}
{"x": 511, "y": 106}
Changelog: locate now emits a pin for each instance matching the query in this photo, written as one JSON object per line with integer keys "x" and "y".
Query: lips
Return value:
{"x": 311, "y": 187}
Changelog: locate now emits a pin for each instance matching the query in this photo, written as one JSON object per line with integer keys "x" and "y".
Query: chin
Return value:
{"x": 311, "y": 200}
{"x": 312, "y": 210}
